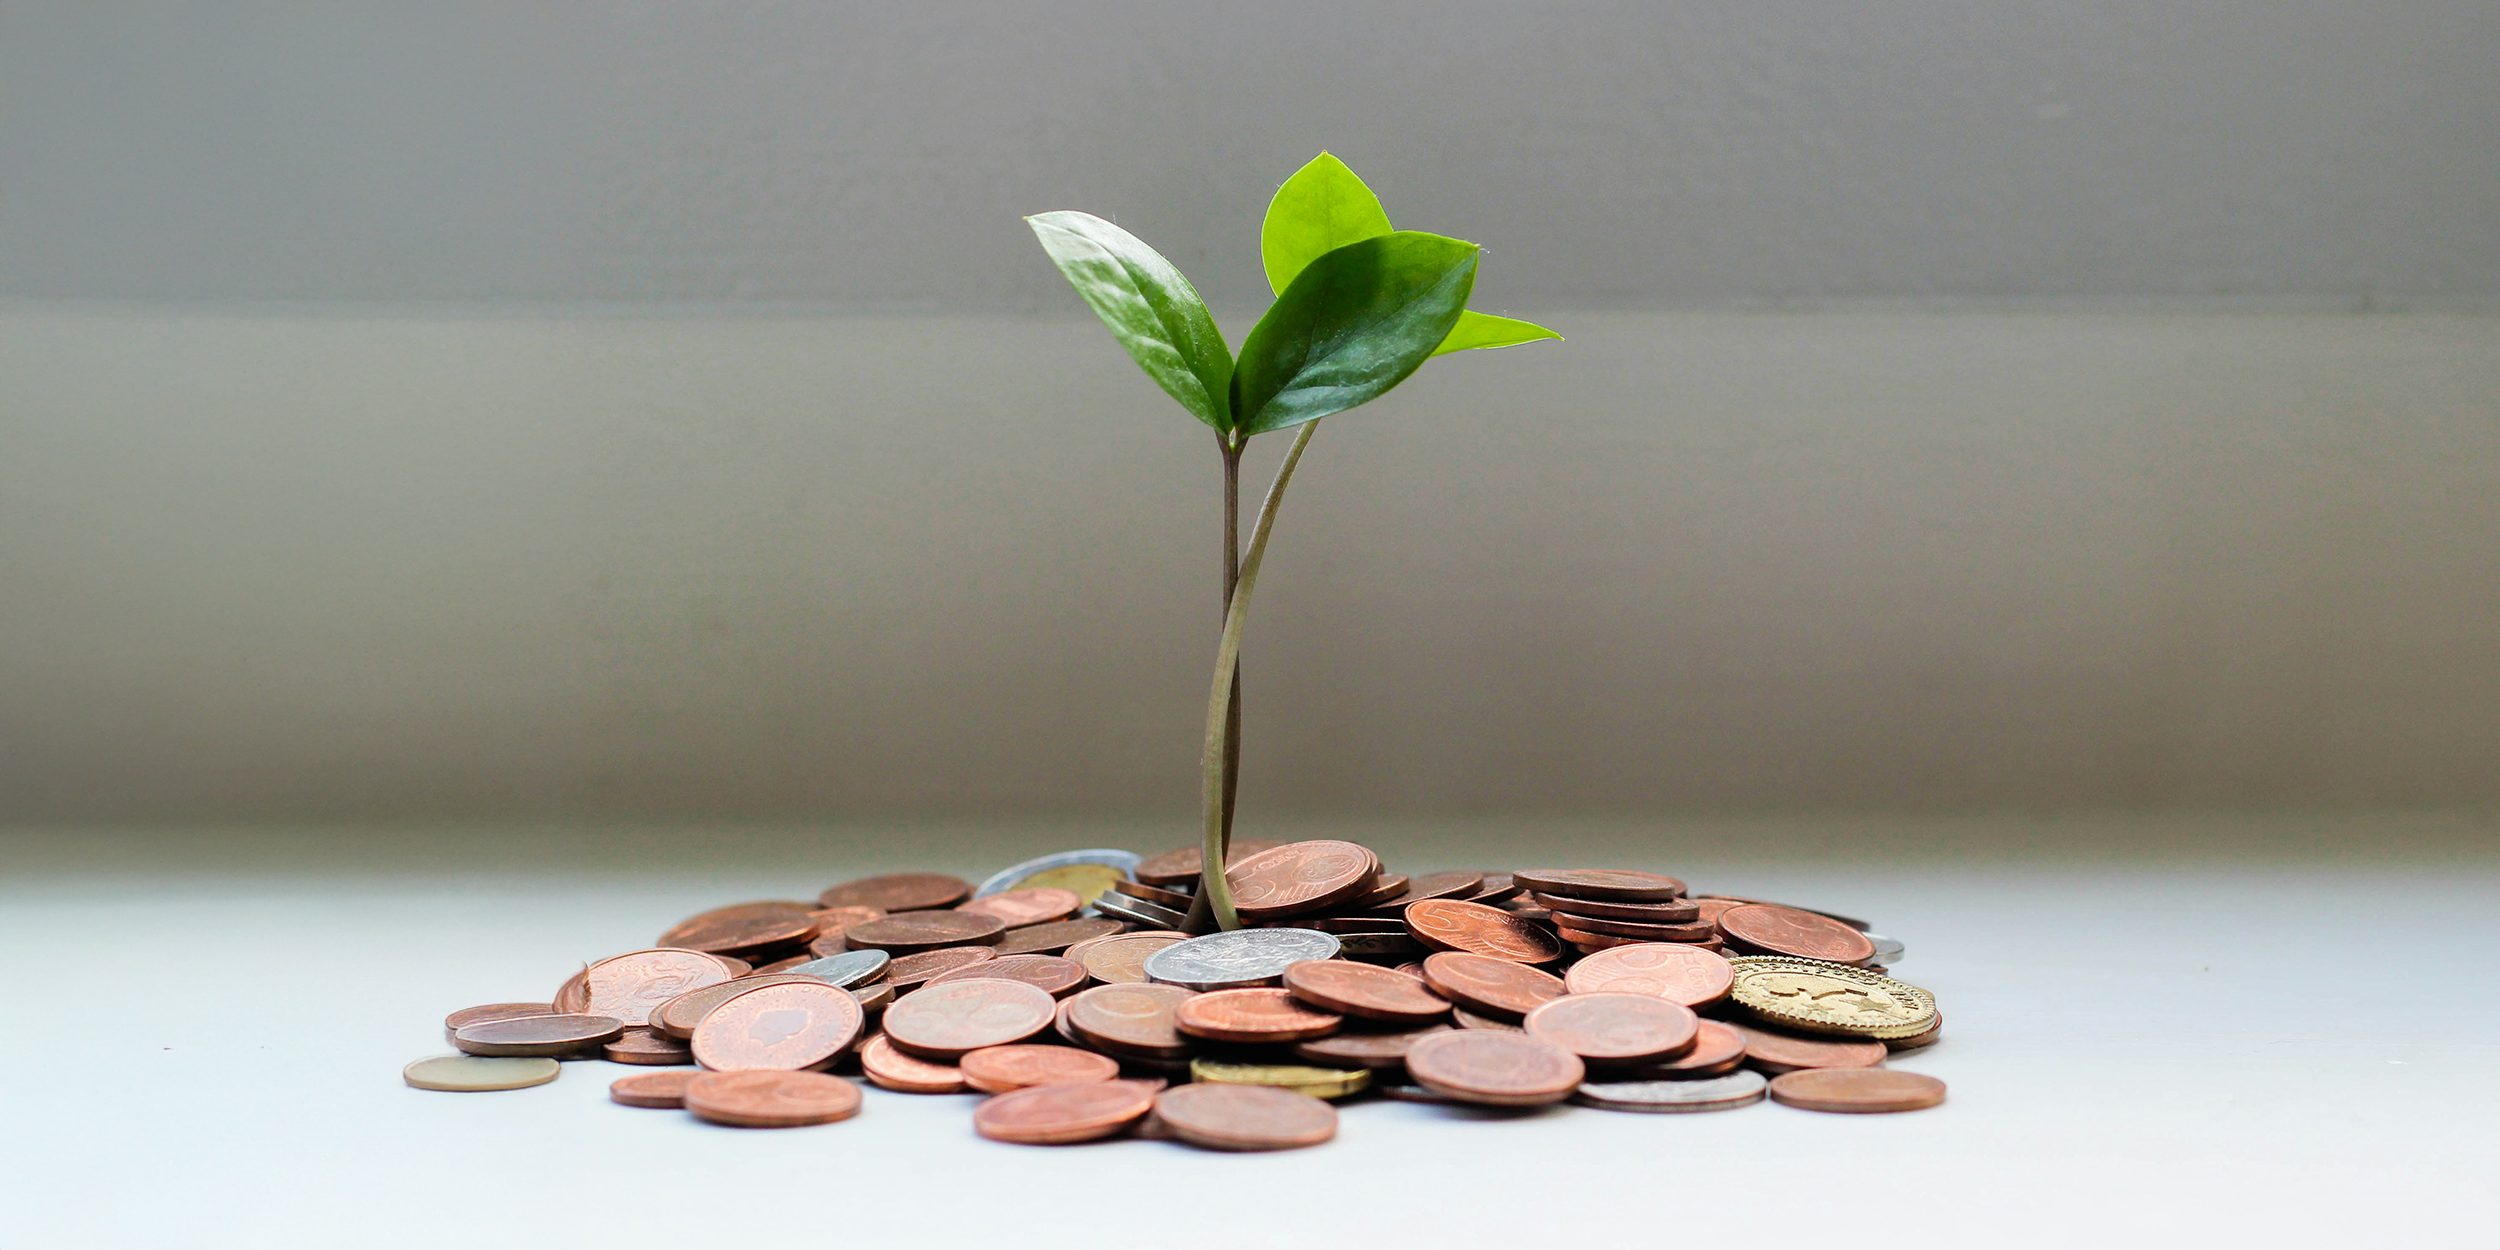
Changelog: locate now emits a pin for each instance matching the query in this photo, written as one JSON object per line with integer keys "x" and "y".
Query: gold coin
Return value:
{"x": 1317, "y": 1082}
{"x": 1812, "y": 996}
{"x": 1087, "y": 881}
{"x": 472, "y": 1073}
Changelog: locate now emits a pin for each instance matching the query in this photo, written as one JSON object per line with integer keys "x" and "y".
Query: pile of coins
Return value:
{"x": 1083, "y": 996}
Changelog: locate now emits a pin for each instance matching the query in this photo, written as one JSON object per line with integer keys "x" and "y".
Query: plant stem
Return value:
{"x": 1232, "y": 579}
{"x": 1220, "y": 705}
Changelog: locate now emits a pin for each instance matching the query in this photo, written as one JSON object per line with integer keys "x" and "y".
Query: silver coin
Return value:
{"x": 1888, "y": 951}
{"x": 1717, "y": 1093}
{"x": 1243, "y": 957}
{"x": 1122, "y": 907}
{"x": 1006, "y": 878}
{"x": 847, "y": 969}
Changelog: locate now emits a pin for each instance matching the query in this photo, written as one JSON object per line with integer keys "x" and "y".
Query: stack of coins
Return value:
{"x": 1082, "y": 995}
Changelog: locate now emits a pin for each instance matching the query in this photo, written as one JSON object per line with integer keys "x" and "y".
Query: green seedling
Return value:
{"x": 1360, "y": 305}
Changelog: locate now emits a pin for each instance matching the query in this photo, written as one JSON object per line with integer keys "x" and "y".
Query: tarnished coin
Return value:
{"x": 646, "y": 1045}
{"x": 719, "y": 936}
{"x": 1072, "y": 867}
{"x": 771, "y": 1099}
{"x": 1445, "y": 925}
{"x": 1238, "y": 959}
{"x": 1362, "y": 1050}
{"x": 1032, "y": 905}
{"x": 1184, "y": 865}
{"x": 1048, "y": 973}
{"x": 946, "y": 1019}
{"x": 629, "y": 986}
{"x": 1679, "y": 974}
{"x": 678, "y": 1016}
{"x": 1055, "y": 938}
{"x": 793, "y": 1026}
{"x": 1318, "y": 1082}
{"x": 1888, "y": 951}
{"x": 1300, "y": 877}
{"x": 1717, "y": 1093}
{"x": 848, "y": 969}
{"x": 1002, "y": 1069}
{"x": 467, "y": 1016}
{"x": 537, "y": 1035}
{"x": 652, "y": 1089}
{"x": 1245, "y": 1117}
{"x": 1810, "y": 996}
{"x": 888, "y": 1068}
{"x": 901, "y": 891}
{"x": 1718, "y": 1049}
{"x": 734, "y": 914}
{"x": 1773, "y": 1052}
{"x": 1051, "y": 1115}
{"x": 908, "y": 972}
{"x": 1130, "y": 1020}
{"x": 1675, "y": 911}
{"x": 1622, "y": 884}
{"x": 1365, "y": 991}
{"x": 1252, "y": 1017}
{"x": 1615, "y": 1028}
{"x": 1489, "y": 986}
{"x": 1122, "y": 960}
{"x": 1139, "y": 911}
{"x": 1768, "y": 930}
{"x": 1860, "y": 1090}
{"x": 907, "y": 933}
{"x": 1495, "y": 1069}
{"x": 471, "y": 1074}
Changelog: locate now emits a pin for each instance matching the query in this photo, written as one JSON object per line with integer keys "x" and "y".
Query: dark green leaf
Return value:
{"x": 1351, "y": 325}
{"x": 1477, "y": 329}
{"x": 1321, "y": 208}
{"x": 1150, "y": 307}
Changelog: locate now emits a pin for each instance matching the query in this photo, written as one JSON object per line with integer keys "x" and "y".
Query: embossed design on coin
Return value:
{"x": 1048, "y": 973}
{"x": 725, "y": 917}
{"x": 1134, "y": 1020}
{"x": 1679, "y": 974}
{"x": 1717, "y": 1093}
{"x": 911, "y": 932}
{"x": 850, "y": 969}
{"x": 1299, "y": 877}
{"x": 888, "y": 1068}
{"x": 1015, "y": 908}
{"x": 907, "y": 972}
{"x": 1493, "y": 987}
{"x": 1857, "y": 1090}
{"x": 1787, "y": 931}
{"x": 1615, "y": 1028}
{"x": 1238, "y": 959}
{"x": 652, "y": 1089}
{"x": 1056, "y": 937}
{"x": 629, "y": 986}
{"x": 792, "y": 1026}
{"x": 771, "y": 1099}
{"x": 1254, "y": 1016}
{"x": 945, "y": 1019}
{"x": 1445, "y": 925}
{"x": 1365, "y": 991}
{"x": 1001, "y": 1069}
{"x": 1814, "y": 997}
{"x": 1245, "y": 1117}
{"x": 546, "y": 1036}
{"x": 902, "y": 891}
{"x": 1774, "y": 1052}
{"x": 471, "y": 1074}
{"x": 1496, "y": 1069}
{"x": 1122, "y": 960}
{"x": 1623, "y": 884}
{"x": 1050, "y": 1115}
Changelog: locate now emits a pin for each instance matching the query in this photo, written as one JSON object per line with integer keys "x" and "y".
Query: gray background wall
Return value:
{"x": 657, "y": 409}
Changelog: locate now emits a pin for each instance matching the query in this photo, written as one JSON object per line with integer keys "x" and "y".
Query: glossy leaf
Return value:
{"x": 1475, "y": 330}
{"x": 1321, "y": 208}
{"x": 1351, "y": 325}
{"x": 1151, "y": 309}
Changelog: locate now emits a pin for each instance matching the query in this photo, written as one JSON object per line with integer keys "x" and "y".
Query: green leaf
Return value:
{"x": 1351, "y": 325}
{"x": 1150, "y": 307}
{"x": 1475, "y": 330}
{"x": 1321, "y": 208}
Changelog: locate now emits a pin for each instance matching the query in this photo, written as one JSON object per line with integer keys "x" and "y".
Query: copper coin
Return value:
{"x": 1498, "y": 887}
{"x": 1679, "y": 974}
{"x": 1362, "y": 1050}
{"x": 1050, "y": 974}
{"x": 537, "y": 1035}
{"x": 1050, "y": 1115}
{"x": 1015, "y": 908}
{"x": 1186, "y": 864}
{"x": 1634, "y": 929}
{"x": 652, "y": 1089}
{"x": 1913, "y": 1042}
{"x": 647, "y": 1045}
{"x": 1458, "y": 885}
{"x": 1445, "y": 925}
{"x": 909, "y": 971}
{"x": 943, "y": 1020}
{"x": 1860, "y": 1090}
{"x": 788, "y": 1027}
{"x": 1712, "y": 907}
{"x": 873, "y": 997}
{"x": 1245, "y": 1117}
{"x": 735, "y": 913}
{"x": 1364, "y": 990}
{"x": 1678, "y": 911}
{"x": 1718, "y": 1049}
{"x": 830, "y": 924}
{"x": 1623, "y": 884}
{"x": 1154, "y": 894}
{"x": 1134, "y": 1020}
{"x": 467, "y": 1016}
{"x": 902, "y": 891}
{"x": 771, "y": 1099}
{"x": 1122, "y": 960}
{"x": 1773, "y": 1053}
{"x": 1002, "y": 1069}
{"x": 910, "y": 932}
{"x": 1788, "y": 931}
{"x": 1299, "y": 877}
{"x": 1488, "y": 986}
{"x": 1056, "y": 937}
{"x": 1738, "y": 900}
{"x": 574, "y": 994}
{"x": 1494, "y": 1068}
{"x": 678, "y": 1016}
{"x": 730, "y": 937}
{"x": 1253, "y": 1016}
{"x": 1616, "y": 1028}
{"x": 629, "y": 986}
{"x": 737, "y": 967}
{"x": 1466, "y": 1019}
{"x": 1414, "y": 969}
{"x": 888, "y": 1068}
{"x": 1387, "y": 886}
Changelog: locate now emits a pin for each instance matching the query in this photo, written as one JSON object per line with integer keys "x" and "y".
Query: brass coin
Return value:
{"x": 678, "y": 1016}
{"x": 888, "y": 1068}
{"x": 1317, "y": 1082}
{"x": 1253, "y": 1016}
{"x": 792, "y": 1026}
{"x": 1184, "y": 865}
{"x": 1016, "y": 908}
{"x": 1050, "y": 1115}
{"x": 1495, "y": 1069}
{"x": 1773, "y": 1052}
{"x": 1620, "y": 884}
{"x": 1086, "y": 881}
{"x": 1122, "y": 960}
{"x": 1857, "y": 1090}
{"x": 1488, "y": 986}
{"x": 1615, "y": 1028}
{"x": 1769, "y": 930}
{"x": 537, "y": 1035}
{"x": 1445, "y": 925}
{"x": 470, "y": 1074}
{"x": 1299, "y": 877}
{"x": 1050, "y": 974}
{"x": 1130, "y": 1020}
{"x": 1056, "y": 937}
{"x": 1245, "y": 1117}
{"x": 902, "y": 891}
{"x": 646, "y": 1045}
{"x": 1915, "y": 1041}
{"x": 944, "y": 1020}
{"x": 1365, "y": 991}
{"x": 908, "y": 972}
{"x": 630, "y": 986}
{"x": 771, "y": 1099}
{"x": 1679, "y": 974}
{"x": 652, "y": 1089}
{"x": 1809, "y": 996}
{"x": 911, "y": 932}
{"x": 1002, "y": 1069}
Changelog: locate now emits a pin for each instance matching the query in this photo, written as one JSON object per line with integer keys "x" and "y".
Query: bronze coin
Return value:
{"x": 1488, "y": 986}
{"x": 1679, "y": 911}
{"x": 902, "y": 891}
{"x": 1772, "y": 1053}
{"x": 787, "y": 1027}
{"x": 552, "y": 1036}
{"x": 1788, "y": 931}
{"x": 574, "y": 994}
{"x": 1498, "y": 887}
{"x": 1245, "y": 1117}
{"x": 630, "y": 986}
{"x": 1016, "y": 908}
{"x": 910, "y": 932}
{"x": 1679, "y": 974}
{"x": 678, "y": 1016}
{"x": 1050, "y": 974}
{"x": 945, "y": 1019}
{"x": 1494, "y": 1068}
{"x": 1717, "y": 1049}
{"x": 1387, "y": 886}
{"x": 1859, "y": 1090}
{"x": 1600, "y": 926}
{"x": 1739, "y": 901}
{"x": 1712, "y": 907}
{"x": 1365, "y": 991}
{"x": 735, "y": 913}
{"x": 888, "y": 1068}
{"x": 1622, "y": 884}
{"x": 1362, "y": 1050}
{"x": 771, "y": 1099}
{"x": 1445, "y": 925}
{"x": 1616, "y": 1028}
{"x": 1050, "y": 1115}
{"x": 1154, "y": 894}
{"x": 1003, "y": 1069}
{"x": 737, "y": 967}
{"x": 873, "y": 997}
{"x": 1186, "y": 864}
{"x": 1252, "y": 1017}
{"x": 1122, "y": 960}
{"x": 467, "y": 1016}
{"x": 830, "y": 924}
{"x": 1299, "y": 877}
{"x": 647, "y": 1045}
{"x": 910, "y": 971}
{"x": 652, "y": 1089}
{"x": 1131, "y": 1020}
{"x": 1055, "y": 937}
{"x": 1458, "y": 885}
{"x": 734, "y": 936}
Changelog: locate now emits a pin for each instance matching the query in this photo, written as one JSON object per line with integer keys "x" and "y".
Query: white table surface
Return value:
{"x": 2142, "y": 1048}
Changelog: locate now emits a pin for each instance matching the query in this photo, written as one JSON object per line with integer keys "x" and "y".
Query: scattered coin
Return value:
{"x": 652, "y": 1089}
{"x": 1498, "y": 887}
{"x": 771, "y": 1099}
{"x": 911, "y": 932}
{"x": 1860, "y": 1090}
{"x": 1245, "y": 1117}
{"x": 646, "y": 1045}
{"x": 1351, "y": 1049}
{"x": 573, "y": 995}
{"x": 1717, "y": 1093}
{"x": 1488, "y": 986}
{"x": 1445, "y": 925}
{"x": 537, "y": 1035}
{"x": 1917, "y": 1040}
{"x": 1772, "y": 1052}
{"x": 1810, "y": 996}
{"x": 888, "y": 1068}
{"x": 1086, "y": 872}
{"x": 738, "y": 936}
{"x": 1050, "y": 974}
{"x": 678, "y": 1016}
{"x": 1299, "y": 877}
{"x": 794, "y": 1026}
{"x": 1052, "y": 1115}
{"x": 946, "y": 1019}
{"x": 1155, "y": 894}
{"x": 1615, "y": 1028}
{"x": 1121, "y": 960}
{"x": 874, "y": 996}
{"x": 630, "y": 986}
{"x": 1001, "y": 1069}
{"x": 1466, "y": 1019}
{"x": 1493, "y": 1068}
{"x": 1888, "y": 951}
{"x": 467, "y": 1016}
{"x": 909, "y": 971}
{"x": 1582, "y": 928}
{"x": 1675, "y": 911}
{"x": 1458, "y": 885}
{"x": 470, "y": 1074}
{"x": 735, "y": 913}
{"x": 1252, "y": 1017}
{"x": 1718, "y": 1049}
{"x": 902, "y": 891}
{"x": 1033, "y": 905}
{"x": 1365, "y": 991}
{"x": 1239, "y": 959}
{"x": 1183, "y": 866}
{"x": 1384, "y": 888}
{"x": 848, "y": 969}
{"x": 1318, "y": 1082}
{"x": 1378, "y": 945}
{"x": 1679, "y": 974}
{"x": 1130, "y": 1020}
{"x": 1055, "y": 938}
{"x": 1767, "y": 930}
{"x": 832, "y": 923}
{"x": 1140, "y": 911}
{"x": 1622, "y": 884}
{"x": 1737, "y": 901}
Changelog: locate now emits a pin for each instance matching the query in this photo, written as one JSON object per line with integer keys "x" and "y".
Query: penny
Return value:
{"x": 1140, "y": 911}
{"x": 1466, "y": 1019}
{"x": 1599, "y": 926}
{"x": 848, "y": 969}
{"x": 1002, "y": 1069}
{"x": 1245, "y": 1117}
{"x": 1495, "y": 1069}
{"x": 1679, "y": 974}
{"x": 943, "y": 1020}
{"x": 909, "y": 971}
{"x": 1679, "y": 911}
{"x": 1055, "y": 938}
{"x": 771, "y": 1099}
{"x": 1445, "y": 925}
{"x": 1858, "y": 1090}
{"x": 1800, "y": 934}
{"x": 830, "y": 924}
{"x": 629, "y": 986}
{"x": 1712, "y": 907}
{"x": 1362, "y": 1050}
{"x": 537, "y": 1035}
{"x": 1775, "y": 1053}
{"x": 1299, "y": 877}
{"x": 888, "y": 1068}
{"x": 1457, "y": 885}
{"x": 735, "y": 913}
{"x": 902, "y": 891}
{"x": 1131, "y": 1020}
{"x": 1488, "y": 986}
{"x": 1237, "y": 959}
{"x": 652, "y": 1089}
{"x": 1808, "y": 996}
{"x": 471, "y": 1074}
{"x": 646, "y": 1045}
{"x": 1365, "y": 991}
{"x": 737, "y": 936}
{"x": 873, "y": 997}
{"x": 1095, "y": 867}
{"x": 1621, "y": 884}
{"x": 1186, "y": 864}
{"x": 1717, "y": 1050}
{"x": 1122, "y": 960}
{"x": 1318, "y": 1082}
{"x": 1384, "y": 888}
{"x": 1050, "y": 1115}
{"x": 1740, "y": 901}
{"x": 792, "y": 1026}
{"x": 1048, "y": 973}
{"x": 1015, "y": 908}
{"x": 1414, "y": 969}
{"x": 573, "y": 995}
{"x": 1718, "y": 1093}
{"x": 1498, "y": 887}
{"x": 911, "y": 932}
{"x": 678, "y": 1016}
{"x": 737, "y": 967}
{"x": 1154, "y": 894}
{"x": 1252, "y": 1017}
{"x": 467, "y": 1016}
{"x": 1615, "y": 1028}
